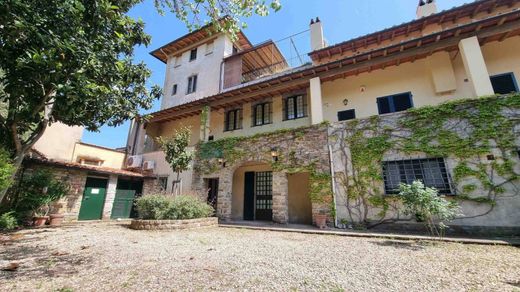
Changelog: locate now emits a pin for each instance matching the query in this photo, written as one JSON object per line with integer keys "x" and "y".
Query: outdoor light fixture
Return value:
{"x": 345, "y": 102}
{"x": 274, "y": 154}
{"x": 222, "y": 162}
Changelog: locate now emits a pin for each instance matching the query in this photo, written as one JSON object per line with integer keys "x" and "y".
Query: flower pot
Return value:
{"x": 56, "y": 219}
{"x": 40, "y": 220}
{"x": 321, "y": 221}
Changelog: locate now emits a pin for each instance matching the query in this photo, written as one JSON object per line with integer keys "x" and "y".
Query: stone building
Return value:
{"x": 270, "y": 123}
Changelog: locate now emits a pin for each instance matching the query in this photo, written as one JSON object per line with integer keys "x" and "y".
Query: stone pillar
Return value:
{"x": 205, "y": 125}
{"x": 280, "y": 198}
{"x": 316, "y": 104}
{"x": 111, "y": 195}
{"x": 475, "y": 66}
{"x": 225, "y": 195}
{"x": 442, "y": 72}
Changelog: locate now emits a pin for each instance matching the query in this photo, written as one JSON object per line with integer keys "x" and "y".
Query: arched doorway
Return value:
{"x": 252, "y": 192}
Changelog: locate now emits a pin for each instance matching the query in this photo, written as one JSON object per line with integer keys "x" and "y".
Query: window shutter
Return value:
{"x": 226, "y": 121}
{"x": 239, "y": 119}
{"x": 194, "y": 83}
{"x": 269, "y": 112}
{"x": 253, "y": 115}
{"x": 304, "y": 98}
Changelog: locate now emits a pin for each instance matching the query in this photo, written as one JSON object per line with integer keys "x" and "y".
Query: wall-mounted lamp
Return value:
{"x": 362, "y": 88}
{"x": 222, "y": 162}
{"x": 345, "y": 102}
{"x": 274, "y": 154}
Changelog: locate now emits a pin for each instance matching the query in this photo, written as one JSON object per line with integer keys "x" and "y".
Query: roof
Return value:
{"x": 78, "y": 166}
{"x": 262, "y": 59}
{"x": 490, "y": 29}
{"x": 450, "y": 15}
{"x": 180, "y": 44}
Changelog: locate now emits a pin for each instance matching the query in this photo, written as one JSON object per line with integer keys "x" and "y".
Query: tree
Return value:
{"x": 176, "y": 150}
{"x": 225, "y": 15}
{"x": 6, "y": 170}
{"x": 68, "y": 61}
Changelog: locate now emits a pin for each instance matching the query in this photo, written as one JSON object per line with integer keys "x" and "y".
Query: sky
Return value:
{"x": 341, "y": 19}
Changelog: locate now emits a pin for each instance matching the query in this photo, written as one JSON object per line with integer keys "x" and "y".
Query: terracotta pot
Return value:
{"x": 321, "y": 221}
{"x": 40, "y": 220}
{"x": 56, "y": 219}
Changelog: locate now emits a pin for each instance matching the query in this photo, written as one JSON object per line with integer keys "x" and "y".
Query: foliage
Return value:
{"x": 224, "y": 15}
{"x": 8, "y": 221}
{"x": 153, "y": 206}
{"x": 36, "y": 192}
{"x": 176, "y": 150}
{"x": 162, "y": 207}
{"x": 6, "y": 170}
{"x": 462, "y": 130}
{"x": 69, "y": 61}
{"x": 426, "y": 204}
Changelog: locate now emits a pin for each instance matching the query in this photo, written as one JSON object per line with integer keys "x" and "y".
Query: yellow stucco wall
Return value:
{"x": 110, "y": 158}
{"x": 58, "y": 141}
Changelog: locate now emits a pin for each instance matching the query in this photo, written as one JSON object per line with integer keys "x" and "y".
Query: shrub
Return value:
{"x": 153, "y": 207}
{"x": 8, "y": 221}
{"x": 6, "y": 170}
{"x": 188, "y": 207}
{"x": 162, "y": 207}
{"x": 427, "y": 206}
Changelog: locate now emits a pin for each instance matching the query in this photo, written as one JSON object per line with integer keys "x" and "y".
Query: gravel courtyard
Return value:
{"x": 98, "y": 257}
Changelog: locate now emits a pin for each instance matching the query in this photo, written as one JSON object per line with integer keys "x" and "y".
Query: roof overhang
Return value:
{"x": 185, "y": 42}
{"x": 491, "y": 29}
{"x": 405, "y": 29}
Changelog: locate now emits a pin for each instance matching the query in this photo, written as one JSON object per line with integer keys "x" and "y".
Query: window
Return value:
{"x": 193, "y": 54}
{"x": 233, "y": 120}
{"x": 504, "y": 83}
{"x": 394, "y": 103}
{"x": 209, "y": 48}
{"x": 295, "y": 107}
{"x": 174, "y": 89}
{"x": 163, "y": 183}
{"x": 347, "y": 115}
{"x": 261, "y": 114}
{"x": 178, "y": 60}
{"x": 192, "y": 84}
{"x": 431, "y": 171}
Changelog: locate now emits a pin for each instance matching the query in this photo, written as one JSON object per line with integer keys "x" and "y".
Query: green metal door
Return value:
{"x": 93, "y": 199}
{"x": 123, "y": 203}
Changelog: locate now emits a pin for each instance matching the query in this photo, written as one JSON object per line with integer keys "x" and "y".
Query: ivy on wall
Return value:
{"x": 210, "y": 156}
{"x": 477, "y": 135}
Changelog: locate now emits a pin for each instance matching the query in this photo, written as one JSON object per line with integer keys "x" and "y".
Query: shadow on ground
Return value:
{"x": 36, "y": 262}
{"x": 408, "y": 245}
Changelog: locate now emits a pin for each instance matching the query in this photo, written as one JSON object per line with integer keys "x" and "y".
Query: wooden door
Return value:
{"x": 264, "y": 195}
{"x": 93, "y": 199}
{"x": 123, "y": 202}
{"x": 249, "y": 196}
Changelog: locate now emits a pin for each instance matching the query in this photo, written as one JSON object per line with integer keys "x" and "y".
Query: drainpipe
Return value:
{"x": 333, "y": 186}
{"x": 221, "y": 77}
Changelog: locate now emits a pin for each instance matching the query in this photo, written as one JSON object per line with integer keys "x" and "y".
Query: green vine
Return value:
{"x": 476, "y": 134}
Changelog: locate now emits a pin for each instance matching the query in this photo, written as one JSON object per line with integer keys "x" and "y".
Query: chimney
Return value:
{"x": 316, "y": 35}
{"x": 426, "y": 8}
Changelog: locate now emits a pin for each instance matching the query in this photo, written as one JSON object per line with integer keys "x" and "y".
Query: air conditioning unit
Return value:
{"x": 134, "y": 161}
{"x": 149, "y": 165}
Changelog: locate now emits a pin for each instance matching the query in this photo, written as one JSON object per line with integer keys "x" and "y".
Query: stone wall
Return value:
{"x": 299, "y": 150}
{"x": 173, "y": 224}
{"x": 69, "y": 205}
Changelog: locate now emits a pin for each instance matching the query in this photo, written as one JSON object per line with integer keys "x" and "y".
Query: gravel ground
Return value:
{"x": 113, "y": 258}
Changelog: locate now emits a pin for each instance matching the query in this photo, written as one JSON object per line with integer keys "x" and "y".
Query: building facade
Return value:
{"x": 230, "y": 93}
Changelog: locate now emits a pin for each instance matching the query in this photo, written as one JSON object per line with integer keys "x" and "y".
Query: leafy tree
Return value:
{"x": 6, "y": 170}
{"x": 176, "y": 150}
{"x": 68, "y": 61}
{"x": 225, "y": 15}
{"x": 427, "y": 206}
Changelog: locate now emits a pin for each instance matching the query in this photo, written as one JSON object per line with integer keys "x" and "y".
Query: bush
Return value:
{"x": 161, "y": 207}
{"x": 8, "y": 221}
{"x": 427, "y": 206}
{"x": 153, "y": 207}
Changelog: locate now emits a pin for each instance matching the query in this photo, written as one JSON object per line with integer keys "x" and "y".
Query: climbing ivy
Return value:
{"x": 470, "y": 132}
{"x": 232, "y": 150}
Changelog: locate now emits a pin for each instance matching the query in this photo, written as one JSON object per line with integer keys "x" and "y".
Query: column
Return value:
{"x": 475, "y": 66}
{"x": 280, "y": 198}
{"x": 111, "y": 195}
{"x": 315, "y": 101}
{"x": 205, "y": 122}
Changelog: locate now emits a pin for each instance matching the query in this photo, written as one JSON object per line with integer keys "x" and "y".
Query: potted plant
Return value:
{"x": 56, "y": 218}
{"x": 321, "y": 221}
{"x": 40, "y": 215}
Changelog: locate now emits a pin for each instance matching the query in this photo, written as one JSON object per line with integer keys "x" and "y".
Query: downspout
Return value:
{"x": 333, "y": 186}
{"x": 221, "y": 77}
{"x": 138, "y": 127}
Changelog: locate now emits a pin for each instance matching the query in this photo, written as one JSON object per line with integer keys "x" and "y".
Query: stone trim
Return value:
{"x": 138, "y": 224}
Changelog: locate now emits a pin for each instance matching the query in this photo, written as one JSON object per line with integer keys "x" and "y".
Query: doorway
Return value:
{"x": 258, "y": 196}
{"x": 93, "y": 199}
{"x": 212, "y": 187}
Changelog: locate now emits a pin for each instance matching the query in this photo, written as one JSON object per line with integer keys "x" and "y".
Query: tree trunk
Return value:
{"x": 17, "y": 163}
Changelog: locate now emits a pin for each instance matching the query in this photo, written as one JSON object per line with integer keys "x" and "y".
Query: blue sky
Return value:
{"x": 342, "y": 20}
